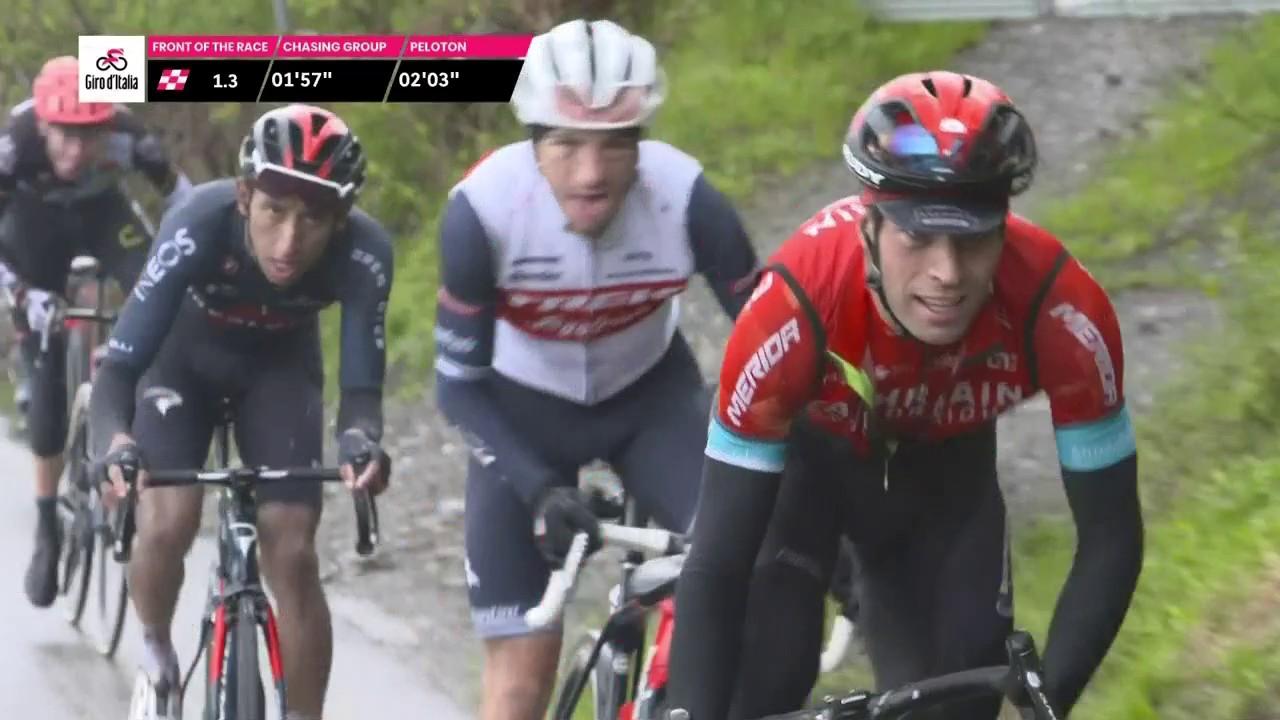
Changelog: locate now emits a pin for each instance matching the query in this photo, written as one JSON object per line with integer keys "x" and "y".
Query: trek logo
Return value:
{"x": 582, "y": 315}
{"x": 1079, "y": 325}
{"x": 861, "y": 170}
{"x": 764, "y": 359}
{"x": 167, "y": 255}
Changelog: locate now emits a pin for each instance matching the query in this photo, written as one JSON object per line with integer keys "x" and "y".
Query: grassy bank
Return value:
{"x": 1191, "y": 153}
{"x": 756, "y": 88}
{"x": 1202, "y": 639}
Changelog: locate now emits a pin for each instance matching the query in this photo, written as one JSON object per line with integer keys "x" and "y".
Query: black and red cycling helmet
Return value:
{"x": 926, "y": 137}
{"x": 304, "y": 150}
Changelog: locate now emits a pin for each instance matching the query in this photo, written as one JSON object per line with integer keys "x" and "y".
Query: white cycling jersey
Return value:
{"x": 579, "y": 318}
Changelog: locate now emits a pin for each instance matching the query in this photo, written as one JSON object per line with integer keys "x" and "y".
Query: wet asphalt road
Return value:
{"x": 49, "y": 670}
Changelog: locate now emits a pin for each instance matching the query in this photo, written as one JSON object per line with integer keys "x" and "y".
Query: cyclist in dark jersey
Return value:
{"x": 61, "y": 163}
{"x": 859, "y": 395}
{"x": 227, "y": 308}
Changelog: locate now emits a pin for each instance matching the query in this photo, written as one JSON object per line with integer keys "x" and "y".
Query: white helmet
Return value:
{"x": 593, "y": 76}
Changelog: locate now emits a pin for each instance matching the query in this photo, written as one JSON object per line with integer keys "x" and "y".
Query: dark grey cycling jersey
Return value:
{"x": 201, "y": 264}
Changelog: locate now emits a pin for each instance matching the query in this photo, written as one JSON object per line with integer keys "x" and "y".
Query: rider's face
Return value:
{"x": 286, "y": 235}
{"x": 590, "y": 172}
{"x": 937, "y": 284}
{"x": 72, "y": 148}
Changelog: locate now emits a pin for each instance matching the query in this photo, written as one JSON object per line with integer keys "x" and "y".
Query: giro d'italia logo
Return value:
{"x": 112, "y": 68}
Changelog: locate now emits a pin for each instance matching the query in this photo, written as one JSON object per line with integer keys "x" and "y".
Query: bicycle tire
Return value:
{"x": 76, "y": 367}
{"x": 577, "y": 667}
{"x": 76, "y": 564}
{"x": 250, "y": 704}
{"x": 114, "y": 590}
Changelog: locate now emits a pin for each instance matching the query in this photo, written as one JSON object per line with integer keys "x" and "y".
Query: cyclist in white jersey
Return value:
{"x": 562, "y": 258}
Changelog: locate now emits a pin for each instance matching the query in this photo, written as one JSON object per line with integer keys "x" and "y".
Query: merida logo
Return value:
{"x": 111, "y": 82}
{"x": 765, "y": 358}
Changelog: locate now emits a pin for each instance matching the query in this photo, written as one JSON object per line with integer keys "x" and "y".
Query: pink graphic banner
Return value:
{"x": 211, "y": 46}
{"x": 337, "y": 46}
{"x": 467, "y": 46}
{"x": 341, "y": 46}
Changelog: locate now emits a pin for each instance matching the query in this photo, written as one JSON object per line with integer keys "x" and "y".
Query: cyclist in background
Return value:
{"x": 561, "y": 259}
{"x": 228, "y": 308}
{"x": 61, "y": 163}
{"x": 859, "y": 396}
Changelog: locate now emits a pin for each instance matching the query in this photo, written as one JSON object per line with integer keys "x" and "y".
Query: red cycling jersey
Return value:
{"x": 812, "y": 340}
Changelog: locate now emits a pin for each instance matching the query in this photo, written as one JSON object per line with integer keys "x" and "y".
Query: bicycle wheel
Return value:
{"x": 112, "y": 588}
{"x": 577, "y": 672}
{"x": 244, "y": 683}
{"x": 76, "y": 563}
{"x": 234, "y": 690}
{"x": 77, "y": 363}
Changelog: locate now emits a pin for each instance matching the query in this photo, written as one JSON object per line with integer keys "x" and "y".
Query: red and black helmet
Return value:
{"x": 306, "y": 150}
{"x": 941, "y": 132}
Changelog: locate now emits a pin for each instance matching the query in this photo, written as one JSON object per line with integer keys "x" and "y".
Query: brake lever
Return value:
{"x": 1028, "y": 675}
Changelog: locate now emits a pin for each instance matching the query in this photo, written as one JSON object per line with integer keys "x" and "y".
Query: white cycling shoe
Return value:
{"x": 157, "y": 692}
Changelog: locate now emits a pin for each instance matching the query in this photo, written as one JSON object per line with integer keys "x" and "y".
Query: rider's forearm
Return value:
{"x": 111, "y": 404}
{"x": 1103, "y": 576}
{"x": 361, "y": 408}
{"x": 734, "y": 508}
{"x": 722, "y": 249}
{"x": 471, "y": 406}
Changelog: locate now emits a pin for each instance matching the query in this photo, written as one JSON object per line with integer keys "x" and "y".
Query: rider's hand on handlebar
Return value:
{"x": 355, "y": 448}
{"x": 123, "y": 453}
{"x": 39, "y": 305}
{"x": 558, "y": 515}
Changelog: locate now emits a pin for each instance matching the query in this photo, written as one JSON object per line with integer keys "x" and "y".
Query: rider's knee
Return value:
{"x": 289, "y": 548}
{"x": 521, "y": 670}
{"x": 516, "y": 691}
{"x": 789, "y": 564}
{"x": 168, "y": 519}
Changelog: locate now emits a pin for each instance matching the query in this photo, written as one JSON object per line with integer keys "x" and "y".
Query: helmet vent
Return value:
{"x": 591, "y": 56}
{"x": 928, "y": 85}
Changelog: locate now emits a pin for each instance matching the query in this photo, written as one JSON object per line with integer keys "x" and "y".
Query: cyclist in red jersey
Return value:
{"x": 859, "y": 396}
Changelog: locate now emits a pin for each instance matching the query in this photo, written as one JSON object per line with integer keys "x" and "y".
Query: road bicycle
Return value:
{"x": 238, "y": 620}
{"x": 88, "y": 524}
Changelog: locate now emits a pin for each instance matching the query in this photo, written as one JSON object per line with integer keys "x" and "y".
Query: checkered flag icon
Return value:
{"x": 173, "y": 79}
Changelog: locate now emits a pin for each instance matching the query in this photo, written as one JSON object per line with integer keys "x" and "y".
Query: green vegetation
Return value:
{"x": 756, "y": 86}
{"x": 1202, "y": 638}
{"x": 1192, "y": 152}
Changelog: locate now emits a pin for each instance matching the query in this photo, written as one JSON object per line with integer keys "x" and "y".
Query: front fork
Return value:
{"x": 218, "y": 621}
